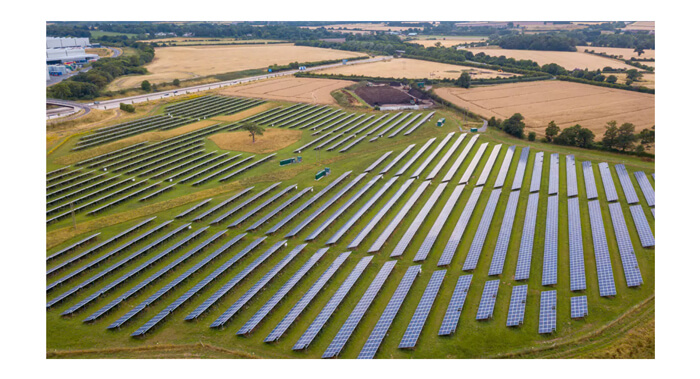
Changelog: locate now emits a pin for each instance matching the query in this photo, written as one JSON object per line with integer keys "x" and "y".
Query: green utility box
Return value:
{"x": 441, "y": 122}
{"x": 289, "y": 161}
{"x": 474, "y": 130}
{"x": 323, "y": 173}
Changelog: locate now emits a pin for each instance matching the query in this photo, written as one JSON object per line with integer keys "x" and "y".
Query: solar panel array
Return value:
{"x": 627, "y": 187}
{"x": 503, "y": 172}
{"x": 446, "y": 157}
{"x": 460, "y": 159}
{"x": 460, "y": 227}
{"x": 646, "y": 237}
{"x": 606, "y": 281}
{"x": 418, "y": 221}
{"x": 481, "y": 232}
{"x": 301, "y": 305}
{"x": 522, "y": 271}
{"x": 72, "y": 247}
{"x": 489, "y": 165}
{"x": 222, "y": 204}
{"x": 415, "y": 326}
{"x": 421, "y": 122}
{"x": 520, "y": 171}
{"x": 589, "y": 180}
{"x": 378, "y": 161}
{"x": 332, "y": 304}
{"x": 454, "y": 309}
{"x": 647, "y": 189}
{"x": 359, "y": 311}
{"x": 501, "y": 249}
{"x": 537, "y": 172}
{"x": 488, "y": 300}
{"x": 415, "y": 157}
{"x": 397, "y": 159}
{"x": 571, "y": 184}
{"x": 386, "y": 233}
{"x": 577, "y": 267}
{"x": 653, "y": 212}
{"x": 432, "y": 155}
{"x": 434, "y": 232}
{"x": 244, "y": 204}
{"x": 608, "y": 184}
{"x": 553, "y": 174}
{"x": 551, "y": 242}
{"x": 630, "y": 266}
{"x": 548, "y": 312}
{"x": 404, "y": 126}
{"x": 387, "y": 318}
{"x": 277, "y": 210}
{"x": 472, "y": 165}
{"x": 516, "y": 309}
{"x": 262, "y": 206}
{"x": 579, "y": 307}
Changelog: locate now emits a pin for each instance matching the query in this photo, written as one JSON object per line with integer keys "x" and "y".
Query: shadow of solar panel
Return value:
{"x": 647, "y": 189}
{"x": 551, "y": 242}
{"x": 520, "y": 170}
{"x": 454, "y": 309}
{"x": 501, "y": 249}
{"x": 460, "y": 159}
{"x": 434, "y": 232}
{"x": 589, "y": 180}
{"x": 418, "y": 221}
{"x": 577, "y": 267}
{"x": 579, "y": 307}
{"x": 633, "y": 276}
{"x": 606, "y": 281}
{"x": 474, "y": 162}
{"x": 516, "y": 309}
{"x": 488, "y": 300}
{"x": 553, "y": 174}
{"x": 481, "y": 232}
{"x": 548, "y": 312}
{"x": 489, "y": 165}
{"x": 386, "y": 233}
{"x": 503, "y": 172}
{"x": 627, "y": 187}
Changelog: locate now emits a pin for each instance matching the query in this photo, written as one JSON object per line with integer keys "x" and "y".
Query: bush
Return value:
{"x": 176, "y": 82}
{"x": 531, "y": 136}
{"x": 146, "y": 86}
{"x": 127, "y": 107}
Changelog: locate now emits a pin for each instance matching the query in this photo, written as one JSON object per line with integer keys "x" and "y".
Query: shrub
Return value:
{"x": 531, "y": 136}
{"x": 127, "y": 107}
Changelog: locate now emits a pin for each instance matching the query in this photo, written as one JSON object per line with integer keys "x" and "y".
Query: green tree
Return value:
{"x": 626, "y": 137}
{"x": 576, "y": 136}
{"x": 438, "y": 44}
{"x": 514, "y": 125}
{"x": 531, "y": 136}
{"x": 611, "y": 79}
{"x": 551, "y": 131}
{"x": 494, "y": 123}
{"x": 610, "y": 135}
{"x": 634, "y": 75}
{"x": 599, "y": 78}
{"x": 176, "y": 82}
{"x": 146, "y": 86}
{"x": 646, "y": 137}
{"x": 639, "y": 50}
{"x": 253, "y": 129}
{"x": 464, "y": 80}
{"x": 60, "y": 91}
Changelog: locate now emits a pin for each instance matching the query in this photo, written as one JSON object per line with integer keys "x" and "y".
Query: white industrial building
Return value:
{"x": 68, "y": 55}
{"x": 58, "y": 43}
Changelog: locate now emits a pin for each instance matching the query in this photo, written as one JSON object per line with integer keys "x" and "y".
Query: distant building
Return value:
{"x": 59, "y": 43}
{"x": 57, "y": 56}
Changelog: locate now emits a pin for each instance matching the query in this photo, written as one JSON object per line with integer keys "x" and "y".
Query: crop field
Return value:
{"x": 447, "y": 41}
{"x": 565, "y": 103}
{"x": 367, "y": 27}
{"x": 213, "y": 253}
{"x": 188, "y": 62}
{"x": 413, "y": 69}
{"x": 307, "y": 90}
{"x": 619, "y": 51}
{"x": 185, "y": 41}
{"x": 570, "y": 60}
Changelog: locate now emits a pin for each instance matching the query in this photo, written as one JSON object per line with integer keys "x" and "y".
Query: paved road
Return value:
{"x": 76, "y": 107}
{"x": 110, "y": 104}
{"x": 115, "y": 52}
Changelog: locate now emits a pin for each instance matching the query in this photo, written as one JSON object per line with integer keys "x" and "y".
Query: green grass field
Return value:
{"x": 609, "y": 322}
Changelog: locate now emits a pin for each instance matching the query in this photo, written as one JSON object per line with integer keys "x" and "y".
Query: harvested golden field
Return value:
{"x": 365, "y": 26}
{"x": 271, "y": 140}
{"x": 183, "y": 41}
{"x": 567, "y": 59}
{"x": 446, "y": 41}
{"x": 619, "y": 51}
{"x": 305, "y": 90}
{"x": 648, "y": 80}
{"x": 187, "y": 62}
{"x": 565, "y": 103}
{"x": 413, "y": 69}
{"x": 641, "y": 25}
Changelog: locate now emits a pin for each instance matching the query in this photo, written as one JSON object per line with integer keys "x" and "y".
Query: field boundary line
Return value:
{"x": 68, "y": 353}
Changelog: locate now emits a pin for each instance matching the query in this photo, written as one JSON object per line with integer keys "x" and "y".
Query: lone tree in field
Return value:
{"x": 253, "y": 128}
{"x": 464, "y": 80}
{"x": 639, "y": 50}
{"x": 146, "y": 85}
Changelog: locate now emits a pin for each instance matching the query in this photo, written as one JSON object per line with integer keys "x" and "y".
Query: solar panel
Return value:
{"x": 72, "y": 247}
{"x": 325, "y": 206}
{"x": 386, "y": 233}
{"x": 359, "y": 311}
{"x": 472, "y": 165}
{"x": 299, "y": 307}
{"x": 647, "y": 189}
{"x": 255, "y": 289}
{"x": 404, "y": 126}
{"x": 418, "y": 221}
{"x": 434, "y": 232}
{"x": 377, "y": 217}
{"x": 415, "y": 327}
{"x": 387, "y": 318}
{"x": 388, "y": 128}
{"x": 653, "y": 212}
{"x": 194, "y": 208}
{"x": 653, "y": 175}
{"x": 248, "y": 167}
{"x": 360, "y": 212}
{"x": 397, "y": 159}
{"x": 548, "y": 312}
{"x": 503, "y": 172}
{"x": 279, "y": 209}
{"x": 577, "y": 267}
{"x": 579, "y": 307}
{"x": 516, "y": 310}
{"x": 378, "y": 161}
{"x": 308, "y": 203}
{"x": 551, "y": 242}
{"x": 488, "y": 300}
{"x": 553, "y": 174}
{"x": 646, "y": 237}
{"x": 633, "y": 276}
{"x": 223, "y": 290}
{"x": 489, "y": 166}
{"x": 432, "y": 155}
{"x": 454, "y": 309}
{"x": 460, "y": 159}
{"x": 481, "y": 232}
{"x": 383, "y": 123}
{"x": 627, "y": 187}
{"x": 222, "y": 204}
{"x": 606, "y": 281}
{"x": 501, "y": 249}
{"x": 244, "y": 204}
{"x": 262, "y": 206}
{"x": 415, "y": 157}
{"x": 446, "y": 157}
{"x": 343, "y": 208}
{"x": 571, "y": 184}
{"x": 201, "y": 284}
{"x": 460, "y": 227}
{"x": 589, "y": 179}
{"x": 254, "y": 321}
{"x": 522, "y": 271}
{"x": 421, "y": 122}
{"x": 520, "y": 171}
{"x": 537, "y": 172}
{"x": 330, "y": 307}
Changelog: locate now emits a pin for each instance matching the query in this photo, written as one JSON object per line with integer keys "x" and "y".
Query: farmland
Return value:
{"x": 317, "y": 91}
{"x": 619, "y": 51}
{"x": 186, "y": 41}
{"x": 188, "y": 62}
{"x": 564, "y": 102}
{"x": 366, "y": 27}
{"x": 413, "y": 69}
{"x": 570, "y": 60}
{"x": 447, "y": 41}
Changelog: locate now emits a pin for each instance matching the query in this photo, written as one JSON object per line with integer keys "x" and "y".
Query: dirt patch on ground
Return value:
{"x": 272, "y": 140}
{"x": 568, "y": 59}
{"x": 306, "y": 90}
{"x": 102, "y": 52}
{"x": 245, "y": 114}
{"x": 383, "y": 95}
{"x": 413, "y": 69}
